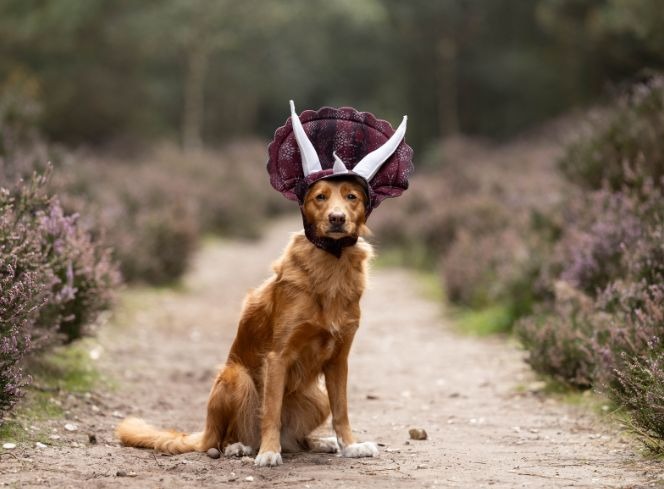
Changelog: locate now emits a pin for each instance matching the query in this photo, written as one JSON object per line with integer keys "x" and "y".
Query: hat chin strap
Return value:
{"x": 333, "y": 246}
{"x": 367, "y": 167}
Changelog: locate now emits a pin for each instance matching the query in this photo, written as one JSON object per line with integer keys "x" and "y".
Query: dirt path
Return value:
{"x": 408, "y": 369}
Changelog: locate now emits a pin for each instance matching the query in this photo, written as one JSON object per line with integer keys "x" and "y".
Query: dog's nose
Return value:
{"x": 337, "y": 218}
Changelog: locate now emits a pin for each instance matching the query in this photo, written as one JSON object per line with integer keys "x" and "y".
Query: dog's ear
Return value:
{"x": 364, "y": 231}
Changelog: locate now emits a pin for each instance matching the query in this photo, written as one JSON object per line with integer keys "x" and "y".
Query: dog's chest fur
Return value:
{"x": 332, "y": 314}
{"x": 334, "y": 285}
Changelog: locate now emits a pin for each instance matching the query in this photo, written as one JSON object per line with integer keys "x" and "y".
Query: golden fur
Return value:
{"x": 298, "y": 325}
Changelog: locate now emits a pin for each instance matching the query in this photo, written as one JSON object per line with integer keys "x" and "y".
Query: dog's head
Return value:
{"x": 336, "y": 208}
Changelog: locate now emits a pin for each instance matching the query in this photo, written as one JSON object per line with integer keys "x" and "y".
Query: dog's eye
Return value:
{"x": 351, "y": 196}
{"x": 320, "y": 197}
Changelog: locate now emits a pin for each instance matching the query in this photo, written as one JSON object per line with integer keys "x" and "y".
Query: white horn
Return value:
{"x": 339, "y": 167}
{"x": 310, "y": 161}
{"x": 371, "y": 163}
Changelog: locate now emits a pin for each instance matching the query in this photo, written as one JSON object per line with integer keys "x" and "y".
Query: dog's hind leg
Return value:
{"x": 303, "y": 411}
{"x": 233, "y": 412}
{"x": 326, "y": 444}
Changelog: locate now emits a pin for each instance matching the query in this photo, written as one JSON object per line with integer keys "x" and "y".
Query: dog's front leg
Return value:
{"x": 273, "y": 394}
{"x": 336, "y": 380}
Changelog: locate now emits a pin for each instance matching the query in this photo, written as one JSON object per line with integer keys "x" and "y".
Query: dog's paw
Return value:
{"x": 326, "y": 444}
{"x": 268, "y": 459}
{"x": 357, "y": 450}
{"x": 237, "y": 450}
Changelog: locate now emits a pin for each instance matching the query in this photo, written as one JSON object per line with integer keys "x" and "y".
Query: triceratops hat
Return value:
{"x": 333, "y": 143}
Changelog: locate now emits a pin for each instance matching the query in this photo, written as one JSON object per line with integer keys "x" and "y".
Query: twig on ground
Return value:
{"x": 11, "y": 455}
{"x": 557, "y": 477}
{"x": 157, "y": 461}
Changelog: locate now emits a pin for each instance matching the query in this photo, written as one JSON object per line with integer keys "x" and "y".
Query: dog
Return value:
{"x": 296, "y": 329}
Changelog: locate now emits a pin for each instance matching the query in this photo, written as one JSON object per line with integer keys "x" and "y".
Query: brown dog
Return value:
{"x": 297, "y": 325}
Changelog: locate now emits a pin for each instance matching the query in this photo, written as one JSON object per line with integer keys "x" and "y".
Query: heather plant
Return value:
{"x": 484, "y": 216}
{"x": 609, "y": 257}
{"x": 153, "y": 208}
{"x": 560, "y": 340}
{"x": 85, "y": 275}
{"x": 642, "y": 392}
{"x": 227, "y": 188}
{"x": 629, "y": 356}
{"x": 629, "y": 360}
{"x": 150, "y": 209}
{"x": 161, "y": 251}
{"x": 19, "y": 300}
{"x": 606, "y": 260}
{"x": 139, "y": 211}
{"x": 421, "y": 227}
{"x": 481, "y": 270}
{"x": 600, "y": 227}
{"x": 55, "y": 280}
{"x": 623, "y": 145}
{"x": 631, "y": 334}
{"x": 24, "y": 290}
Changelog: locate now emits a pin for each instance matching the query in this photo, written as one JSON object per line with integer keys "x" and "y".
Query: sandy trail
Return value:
{"x": 408, "y": 369}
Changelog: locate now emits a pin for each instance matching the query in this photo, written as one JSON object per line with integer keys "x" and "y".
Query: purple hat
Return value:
{"x": 339, "y": 143}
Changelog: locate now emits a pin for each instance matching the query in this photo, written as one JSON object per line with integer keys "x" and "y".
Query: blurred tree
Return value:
{"x": 199, "y": 30}
{"x": 208, "y": 70}
{"x": 438, "y": 32}
{"x": 88, "y": 71}
{"x": 315, "y": 52}
{"x": 603, "y": 40}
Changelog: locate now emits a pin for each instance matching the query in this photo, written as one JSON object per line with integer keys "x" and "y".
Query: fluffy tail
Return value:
{"x": 134, "y": 432}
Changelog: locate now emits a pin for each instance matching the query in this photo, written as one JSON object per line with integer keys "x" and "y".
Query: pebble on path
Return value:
{"x": 417, "y": 434}
{"x": 213, "y": 453}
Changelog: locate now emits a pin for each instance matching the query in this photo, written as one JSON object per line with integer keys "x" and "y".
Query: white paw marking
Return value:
{"x": 357, "y": 450}
{"x": 237, "y": 450}
{"x": 327, "y": 444}
{"x": 268, "y": 459}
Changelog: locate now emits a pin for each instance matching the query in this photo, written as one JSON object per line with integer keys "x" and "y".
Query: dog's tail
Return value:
{"x": 134, "y": 432}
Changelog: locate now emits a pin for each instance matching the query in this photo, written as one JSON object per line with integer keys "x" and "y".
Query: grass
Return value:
{"x": 419, "y": 262}
{"x": 66, "y": 370}
{"x": 430, "y": 286}
{"x": 483, "y": 322}
{"x": 415, "y": 256}
{"x": 567, "y": 394}
{"x": 13, "y": 431}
